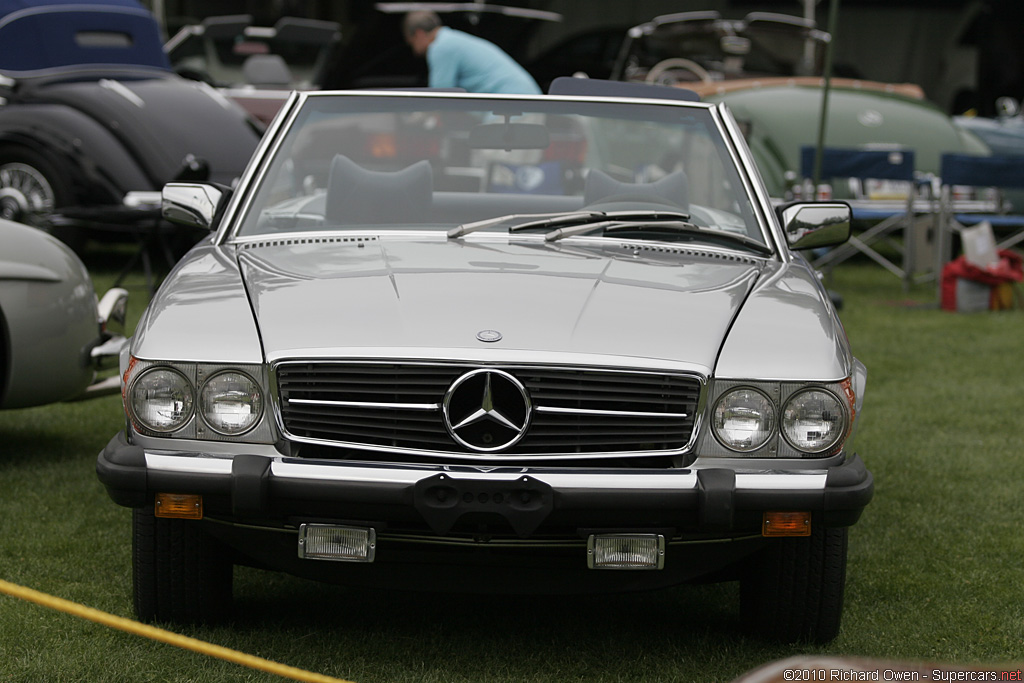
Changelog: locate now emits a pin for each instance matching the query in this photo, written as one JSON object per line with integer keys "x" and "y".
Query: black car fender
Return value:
{"x": 99, "y": 169}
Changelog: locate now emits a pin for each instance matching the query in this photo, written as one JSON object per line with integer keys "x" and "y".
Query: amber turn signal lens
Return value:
{"x": 786, "y": 524}
{"x": 179, "y": 505}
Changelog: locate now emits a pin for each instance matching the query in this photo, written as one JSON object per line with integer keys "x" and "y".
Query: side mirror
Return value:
{"x": 197, "y": 205}
{"x": 811, "y": 225}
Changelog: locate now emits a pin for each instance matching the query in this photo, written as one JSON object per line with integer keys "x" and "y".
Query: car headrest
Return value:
{"x": 356, "y": 195}
{"x": 266, "y": 71}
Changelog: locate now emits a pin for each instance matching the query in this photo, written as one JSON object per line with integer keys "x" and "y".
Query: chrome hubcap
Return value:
{"x": 23, "y": 191}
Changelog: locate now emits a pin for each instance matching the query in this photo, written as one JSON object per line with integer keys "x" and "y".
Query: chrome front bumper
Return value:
{"x": 698, "y": 499}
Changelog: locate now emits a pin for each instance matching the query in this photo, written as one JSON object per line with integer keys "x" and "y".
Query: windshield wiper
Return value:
{"x": 654, "y": 224}
{"x": 582, "y": 222}
{"x": 547, "y": 220}
{"x": 552, "y": 218}
{"x": 589, "y": 220}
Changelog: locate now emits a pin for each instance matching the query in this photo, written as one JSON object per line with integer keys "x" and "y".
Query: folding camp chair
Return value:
{"x": 888, "y": 216}
{"x": 992, "y": 175}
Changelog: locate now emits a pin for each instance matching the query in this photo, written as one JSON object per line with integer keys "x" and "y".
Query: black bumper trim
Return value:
{"x": 716, "y": 498}
{"x": 250, "y": 485}
{"x": 121, "y": 467}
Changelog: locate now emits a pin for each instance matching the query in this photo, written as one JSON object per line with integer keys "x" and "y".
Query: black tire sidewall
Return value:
{"x": 793, "y": 590}
{"x": 180, "y": 573}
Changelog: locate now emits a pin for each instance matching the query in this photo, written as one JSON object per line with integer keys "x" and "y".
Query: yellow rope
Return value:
{"x": 159, "y": 634}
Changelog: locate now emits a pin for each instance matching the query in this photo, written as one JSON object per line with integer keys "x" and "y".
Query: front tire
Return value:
{"x": 793, "y": 590}
{"x": 180, "y": 573}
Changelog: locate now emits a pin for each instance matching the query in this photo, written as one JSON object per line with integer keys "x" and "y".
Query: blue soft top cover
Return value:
{"x": 39, "y": 36}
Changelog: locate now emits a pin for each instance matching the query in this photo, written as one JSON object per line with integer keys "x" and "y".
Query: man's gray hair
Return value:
{"x": 424, "y": 20}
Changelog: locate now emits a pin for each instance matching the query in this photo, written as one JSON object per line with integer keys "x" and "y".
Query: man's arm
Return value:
{"x": 444, "y": 67}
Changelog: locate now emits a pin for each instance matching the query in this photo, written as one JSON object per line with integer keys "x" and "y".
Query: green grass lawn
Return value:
{"x": 935, "y": 569}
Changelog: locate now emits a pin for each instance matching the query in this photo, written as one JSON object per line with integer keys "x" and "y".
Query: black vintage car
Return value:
{"x": 93, "y": 121}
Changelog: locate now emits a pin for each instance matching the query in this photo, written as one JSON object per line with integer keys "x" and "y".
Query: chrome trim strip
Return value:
{"x": 256, "y": 169}
{"x": 610, "y": 413}
{"x": 119, "y": 88}
{"x": 483, "y": 97}
{"x": 190, "y": 464}
{"x": 752, "y": 179}
{"x": 367, "y": 404}
{"x": 467, "y": 458}
{"x": 812, "y": 480}
{"x": 490, "y": 357}
{"x": 668, "y": 480}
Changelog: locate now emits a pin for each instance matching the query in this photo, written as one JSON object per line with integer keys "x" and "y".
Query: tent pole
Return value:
{"x": 833, "y": 13}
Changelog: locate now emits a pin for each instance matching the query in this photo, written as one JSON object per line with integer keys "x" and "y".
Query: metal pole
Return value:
{"x": 833, "y": 12}
{"x": 807, "y": 65}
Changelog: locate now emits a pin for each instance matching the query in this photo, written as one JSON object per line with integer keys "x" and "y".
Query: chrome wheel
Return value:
{"x": 24, "y": 191}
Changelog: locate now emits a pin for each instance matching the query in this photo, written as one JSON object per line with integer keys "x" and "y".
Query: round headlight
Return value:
{"x": 161, "y": 400}
{"x": 744, "y": 419}
{"x": 813, "y": 421}
{"x": 231, "y": 403}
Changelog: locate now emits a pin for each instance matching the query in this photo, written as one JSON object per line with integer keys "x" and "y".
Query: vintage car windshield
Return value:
{"x": 399, "y": 162}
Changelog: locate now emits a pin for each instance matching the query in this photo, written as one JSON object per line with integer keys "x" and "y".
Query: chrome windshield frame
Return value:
{"x": 250, "y": 182}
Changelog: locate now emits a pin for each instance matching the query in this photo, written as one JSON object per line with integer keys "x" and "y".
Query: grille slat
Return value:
{"x": 660, "y": 396}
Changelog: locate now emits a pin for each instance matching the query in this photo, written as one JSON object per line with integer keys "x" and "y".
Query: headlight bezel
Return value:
{"x": 780, "y": 393}
{"x": 197, "y": 375}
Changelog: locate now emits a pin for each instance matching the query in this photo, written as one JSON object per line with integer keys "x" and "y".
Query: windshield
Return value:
{"x": 357, "y": 162}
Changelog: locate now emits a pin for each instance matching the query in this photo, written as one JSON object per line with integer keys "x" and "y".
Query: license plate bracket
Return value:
{"x": 524, "y": 502}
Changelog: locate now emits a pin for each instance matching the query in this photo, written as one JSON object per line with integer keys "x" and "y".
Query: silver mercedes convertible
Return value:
{"x": 495, "y": 343}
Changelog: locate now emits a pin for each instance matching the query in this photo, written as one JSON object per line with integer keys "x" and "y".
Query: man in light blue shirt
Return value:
{"x": 460, "y": 60}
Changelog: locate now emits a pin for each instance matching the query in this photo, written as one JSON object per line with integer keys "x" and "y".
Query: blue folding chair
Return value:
{"x": 994, "y": 174}
{"x": 887, "y": 216}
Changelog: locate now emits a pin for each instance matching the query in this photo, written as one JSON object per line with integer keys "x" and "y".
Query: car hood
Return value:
{"x": 387, "y": 296}
{"x": 162, "y": 119}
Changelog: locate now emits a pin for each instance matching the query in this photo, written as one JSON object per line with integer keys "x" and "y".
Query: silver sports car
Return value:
{"x": 54, "y": 334}
{"x": 495, "y": 343}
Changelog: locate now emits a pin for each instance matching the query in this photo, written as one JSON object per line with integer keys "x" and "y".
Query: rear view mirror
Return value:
{"x": 509, "y": 136}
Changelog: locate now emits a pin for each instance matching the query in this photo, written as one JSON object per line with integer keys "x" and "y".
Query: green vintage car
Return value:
{"x": 781, "y": 115}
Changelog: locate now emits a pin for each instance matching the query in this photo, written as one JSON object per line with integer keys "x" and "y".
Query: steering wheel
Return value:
{"x": 666, "y": 72}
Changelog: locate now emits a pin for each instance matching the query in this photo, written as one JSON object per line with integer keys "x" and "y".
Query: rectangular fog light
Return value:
{"x": 337, "y": 543}
{"x": 626, "y": 551}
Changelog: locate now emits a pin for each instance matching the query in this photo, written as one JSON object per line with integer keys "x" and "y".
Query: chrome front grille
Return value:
{"x": 574, "y": 411}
